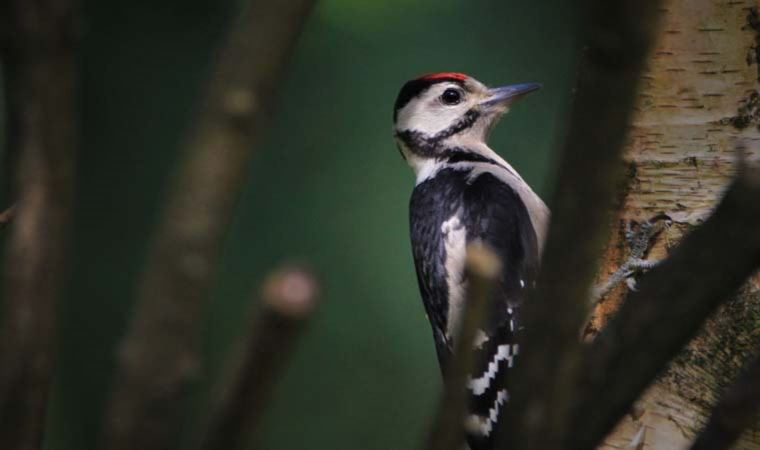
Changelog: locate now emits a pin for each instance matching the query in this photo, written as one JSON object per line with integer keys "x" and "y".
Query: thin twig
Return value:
{"x": 618, "y": 36}
{"x": 482, "y": 269}
{"x": 39, "y": 45}
{"x": 158, "y": 357}
{"x": 736, "y": 410}
{"x": 289, "y": 297}
{"x": 672, "y": 302}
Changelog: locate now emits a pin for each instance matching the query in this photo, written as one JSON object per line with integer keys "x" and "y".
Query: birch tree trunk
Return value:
{"x": 699, "y": 96}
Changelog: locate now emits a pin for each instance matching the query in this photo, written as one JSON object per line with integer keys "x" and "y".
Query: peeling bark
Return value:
{"x": 700, "y": 95}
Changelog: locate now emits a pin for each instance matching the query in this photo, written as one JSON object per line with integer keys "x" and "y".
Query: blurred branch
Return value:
{"x": 672, "y": 302}
{"x": 618, "y": 36}
{"x": 7, "y": 216}
{"x": 289, "y": 298}
{"x": 734, "y": 412}
{"x": 39, "y": 45}
{"x": 482, "y": 269}
{"x": 158, "y": 357}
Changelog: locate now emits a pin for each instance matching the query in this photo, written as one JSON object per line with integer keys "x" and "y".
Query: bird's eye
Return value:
{"x": 451, "y": 96}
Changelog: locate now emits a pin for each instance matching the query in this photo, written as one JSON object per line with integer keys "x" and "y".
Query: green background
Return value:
{"x": 327, "y": 186}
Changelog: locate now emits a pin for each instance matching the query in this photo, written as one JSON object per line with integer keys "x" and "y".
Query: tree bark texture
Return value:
{"x": 698, "y": 100}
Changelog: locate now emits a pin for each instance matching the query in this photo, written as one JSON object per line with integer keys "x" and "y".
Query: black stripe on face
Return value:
{"x": 424, "y": 145}
{"x": 414, "y": 88}
{"x": 467, "y": 121}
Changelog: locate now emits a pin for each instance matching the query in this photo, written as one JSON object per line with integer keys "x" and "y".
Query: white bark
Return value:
{"x": 699, "y": 96}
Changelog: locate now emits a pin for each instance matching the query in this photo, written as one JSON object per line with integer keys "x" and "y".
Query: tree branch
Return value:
{"x": 618, "y": 36}
{"x": 39, "y": 45}
{"x": 734, "y": 412}
{"x": 289, "y": 297}
{"x": 673, "y": 300}
{"x": 482, "y": 268}
{"x": 158, "y": 356}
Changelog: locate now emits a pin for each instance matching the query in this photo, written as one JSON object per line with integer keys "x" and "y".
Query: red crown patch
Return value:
{"x": 442, "y": 75}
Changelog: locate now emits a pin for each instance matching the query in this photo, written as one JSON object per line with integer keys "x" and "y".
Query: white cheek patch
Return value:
{"x": 429, "y": 120}
{"x": 427, "y": 115}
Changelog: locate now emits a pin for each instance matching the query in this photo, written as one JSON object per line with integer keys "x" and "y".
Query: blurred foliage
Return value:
{"x": 327, "y": 187}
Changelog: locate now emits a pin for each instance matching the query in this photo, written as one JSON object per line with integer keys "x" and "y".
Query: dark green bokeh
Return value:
{"x": 327, "y": 186}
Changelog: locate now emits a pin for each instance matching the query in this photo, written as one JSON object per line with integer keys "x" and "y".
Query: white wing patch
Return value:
{"x": 504, "y": 352}
{"x": 484, "y": 425}
{"x": 455, "y": 242}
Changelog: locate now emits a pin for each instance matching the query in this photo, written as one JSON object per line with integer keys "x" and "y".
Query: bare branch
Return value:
{"x": 158, "y": 357}
{"x": 289, "y": 298}
{"x": 618, "y": 36}
{"x": 40, "y": 41}
{"x": 734, "y": 412}
{"x": 673, "y": 300}
{"x": 482, "y": 269}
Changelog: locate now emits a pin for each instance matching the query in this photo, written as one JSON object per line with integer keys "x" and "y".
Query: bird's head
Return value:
{"x": 449, "y": 108}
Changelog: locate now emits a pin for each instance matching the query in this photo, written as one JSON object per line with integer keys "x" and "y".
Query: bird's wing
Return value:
{"x": 448, "y": 211}
{"x": 496, "y": 216}
{"x": 432, "y": 204}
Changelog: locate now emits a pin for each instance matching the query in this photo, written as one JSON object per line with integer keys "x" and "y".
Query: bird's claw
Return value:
{"x": 639, "y": 236}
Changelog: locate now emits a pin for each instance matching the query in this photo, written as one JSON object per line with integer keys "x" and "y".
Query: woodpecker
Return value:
{"x": 466, "y": 193}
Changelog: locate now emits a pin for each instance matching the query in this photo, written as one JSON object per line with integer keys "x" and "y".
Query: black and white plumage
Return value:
{"x": 466, "y": 193}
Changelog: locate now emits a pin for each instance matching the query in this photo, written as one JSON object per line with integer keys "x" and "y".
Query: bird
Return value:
{"x": 465, "y": 193}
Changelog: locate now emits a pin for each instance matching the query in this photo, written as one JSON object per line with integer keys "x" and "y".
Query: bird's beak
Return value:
{"x": 504, "y": 96}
